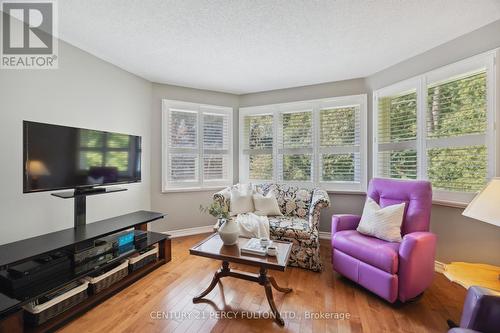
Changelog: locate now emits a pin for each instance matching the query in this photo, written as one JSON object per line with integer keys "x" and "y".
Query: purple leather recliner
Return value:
{"x": 481, "y": 313}
{"x": 391, "y": 270}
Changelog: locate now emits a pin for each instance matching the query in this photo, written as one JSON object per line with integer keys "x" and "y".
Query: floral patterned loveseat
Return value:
{"x": 299, "y": 223}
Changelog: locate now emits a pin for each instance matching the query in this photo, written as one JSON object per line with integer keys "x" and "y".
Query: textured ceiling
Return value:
{"x": 243, "y": 46}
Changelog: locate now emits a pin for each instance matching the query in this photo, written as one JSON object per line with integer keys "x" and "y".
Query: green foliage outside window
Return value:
{"x": 297, "y": 167}
{"x": 338, "y": 167}
{"x": 457, "y": 108}
{"x": 458, "y": 169}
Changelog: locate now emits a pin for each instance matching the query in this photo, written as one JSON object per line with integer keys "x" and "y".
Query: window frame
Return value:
{"x": 200, "y": 109}
{"x": 315, "y": 106}
{"x": 420, "y": 84}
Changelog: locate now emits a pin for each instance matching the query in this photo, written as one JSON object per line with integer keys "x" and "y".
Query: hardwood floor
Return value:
{"x": 168, "y": 292}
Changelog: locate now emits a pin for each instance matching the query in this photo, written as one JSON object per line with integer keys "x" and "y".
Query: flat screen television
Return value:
{"x": 60, "y": 157}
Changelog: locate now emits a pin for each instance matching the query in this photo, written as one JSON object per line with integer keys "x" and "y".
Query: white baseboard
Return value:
{"x": 439, "y": 267}
{"x": 190, "y": 231}
{"x": 325, "y": 235}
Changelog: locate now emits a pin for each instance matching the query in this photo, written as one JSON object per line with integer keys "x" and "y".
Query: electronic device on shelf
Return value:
{"x": 20, "y": 278}
{"x": 94, "y": 263}
{"x": 120, "y": 239}
{"x": 99, "y": 247}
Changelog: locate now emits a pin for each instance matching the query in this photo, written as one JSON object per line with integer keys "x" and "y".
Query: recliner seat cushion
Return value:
{"x": 376, "y": 252}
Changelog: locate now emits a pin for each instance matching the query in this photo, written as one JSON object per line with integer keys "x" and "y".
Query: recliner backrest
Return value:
{"x": 416, "y": 193}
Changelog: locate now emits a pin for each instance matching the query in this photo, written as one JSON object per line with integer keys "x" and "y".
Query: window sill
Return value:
{"x": 353, "y": 192}
{"x": 193, "y": 189}
{"x": 447, "y": 203}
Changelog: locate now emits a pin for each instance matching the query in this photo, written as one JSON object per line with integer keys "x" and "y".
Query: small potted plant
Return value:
{"x": 228, "y": 229}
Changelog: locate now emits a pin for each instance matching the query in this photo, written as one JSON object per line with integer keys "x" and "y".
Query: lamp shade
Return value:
{"x": 486, "y": 205}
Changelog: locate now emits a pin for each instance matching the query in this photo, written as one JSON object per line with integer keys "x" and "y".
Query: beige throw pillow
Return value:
{"x": 266, "y": 205}
{"x": 383, "y": 223}
{"x": 241, "y": 199}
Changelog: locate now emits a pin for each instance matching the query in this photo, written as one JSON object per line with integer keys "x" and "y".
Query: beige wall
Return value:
{"x": 182, "y": 207}
{"x": 84, "y": 92}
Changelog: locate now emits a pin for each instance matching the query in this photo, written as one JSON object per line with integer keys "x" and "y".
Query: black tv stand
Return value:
{"x": 11, "y": 311}
{"x": 88, "y": 191}
{"x": 80, "y": 196}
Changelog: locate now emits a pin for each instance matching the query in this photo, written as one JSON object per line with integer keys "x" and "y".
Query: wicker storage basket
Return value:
{"x": 36, "y": 314}
{"x": 106, "y": 279}
{"x": 141, "y": 260}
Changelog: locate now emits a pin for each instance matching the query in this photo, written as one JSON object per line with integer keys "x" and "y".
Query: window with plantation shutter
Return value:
{"x": 258, "y": 146}
{"x": 456, "y": 125}
{"x": 441, "y": 129}
{"x": 311, "y": 143}
{"x": 295, "y": 146}
{"x": 340, "y": 144}
{"x": 197, "y": 146}
{"x": 397, "y": 135}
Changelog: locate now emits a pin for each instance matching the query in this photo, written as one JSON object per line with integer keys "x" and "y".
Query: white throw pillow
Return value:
{"x": 383, "y": 223}
{"x": 241, "y": 199}
{"x": 266, "y": 205}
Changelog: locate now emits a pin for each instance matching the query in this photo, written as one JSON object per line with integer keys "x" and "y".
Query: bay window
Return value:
{"x": 311, "y": 143}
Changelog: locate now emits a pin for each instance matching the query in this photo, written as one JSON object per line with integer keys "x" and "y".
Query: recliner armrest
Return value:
{"x": 344, "y": 222}
{"x": 416, "y": 263}
{"x": 481, "y": 310}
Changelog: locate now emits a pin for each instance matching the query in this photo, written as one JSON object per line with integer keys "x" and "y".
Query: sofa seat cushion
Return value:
{"x": 289, "y": 227}
{"x": 373, "y": 251}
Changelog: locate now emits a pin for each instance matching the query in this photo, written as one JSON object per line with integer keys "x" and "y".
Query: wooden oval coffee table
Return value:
{"x": 212, "y": 247}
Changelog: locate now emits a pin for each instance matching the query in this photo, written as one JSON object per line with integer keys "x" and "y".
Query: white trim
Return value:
{"x": 439, "y": 267}
{"x": 194, "y": 189}
{"x": 190, "y": 231}
{"x": 325, "y": 235}
{"x": 448, "y": 203}
{"x": 315, "y": 106}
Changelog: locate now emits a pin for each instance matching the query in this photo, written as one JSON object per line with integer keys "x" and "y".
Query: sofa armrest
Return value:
{"x": 416, "y": 263}
{"x": 319, "y": 200}
{"x": 344, "y": 222}
{"x": 481, "y": 310}
{"x": 223, "y": 197}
